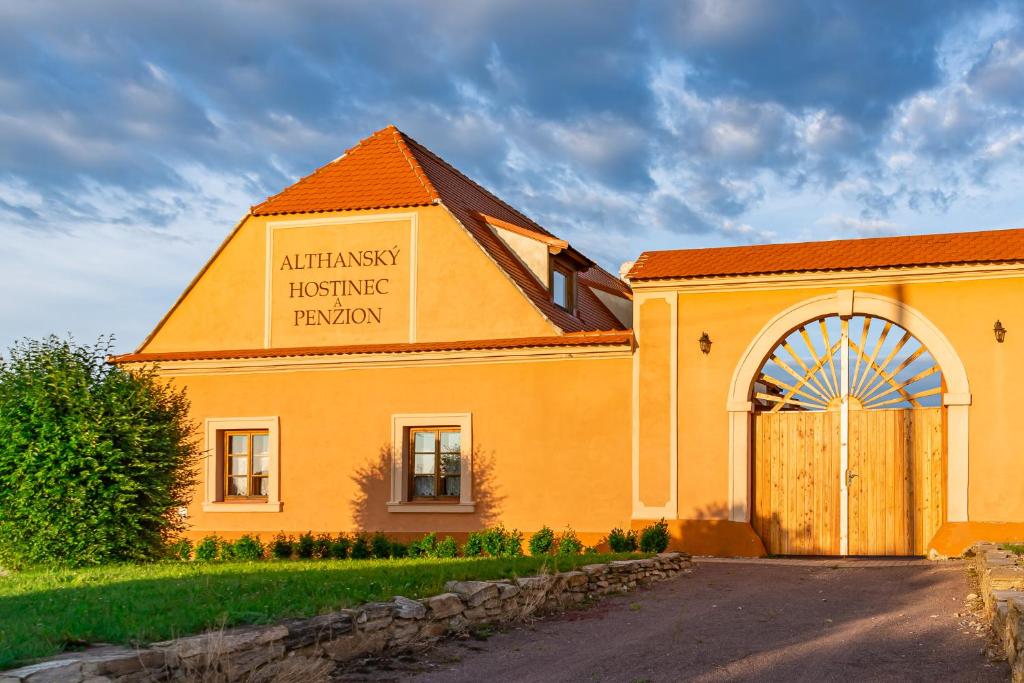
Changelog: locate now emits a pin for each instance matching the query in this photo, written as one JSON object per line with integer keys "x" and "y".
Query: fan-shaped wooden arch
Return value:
{"x": 886, "y": 368}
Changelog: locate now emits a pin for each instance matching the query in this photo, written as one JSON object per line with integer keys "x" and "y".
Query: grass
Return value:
{"x": 1015, "y": 548}
{"x": 43, "y": 612}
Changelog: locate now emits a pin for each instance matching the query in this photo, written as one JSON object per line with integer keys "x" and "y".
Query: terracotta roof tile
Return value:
{"x": 377, "y": 173}
{"x": 390, "y": 169}
{"x": 616, "y": 337}
{"x": 990, "y": 246}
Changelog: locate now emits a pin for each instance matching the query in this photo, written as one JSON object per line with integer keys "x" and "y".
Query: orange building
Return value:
{"x": 385, "y": 345}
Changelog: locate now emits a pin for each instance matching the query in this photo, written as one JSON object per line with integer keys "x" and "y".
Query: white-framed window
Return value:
{"x": 563, "y": 286}
{"x": 431, "y": 462}
{"x": 242, "y": 465}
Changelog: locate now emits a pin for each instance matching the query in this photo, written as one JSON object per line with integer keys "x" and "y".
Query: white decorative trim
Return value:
{"x": 400, "y": 422}
{"x": 955, "y": 375}
{"x": 213, "y": 499}
{"x": 418, "y": 359}
{"x": 428, "y": 508}
{"x": 671, "y": 509}
{"x": 326, "y": 221}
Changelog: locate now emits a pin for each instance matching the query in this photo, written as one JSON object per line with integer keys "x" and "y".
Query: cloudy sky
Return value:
{"x": 133, "y": 136}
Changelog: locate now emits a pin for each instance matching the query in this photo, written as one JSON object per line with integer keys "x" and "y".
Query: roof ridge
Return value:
{"x": 879, "y": 238}
{"x": 463, "y": 176}
{"x": 414, "y": 164}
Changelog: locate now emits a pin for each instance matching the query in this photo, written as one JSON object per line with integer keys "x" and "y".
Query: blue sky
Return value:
{"x": 133, "y": 137}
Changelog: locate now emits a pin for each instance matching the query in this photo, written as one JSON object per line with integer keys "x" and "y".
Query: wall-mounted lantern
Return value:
{"x": 1000, "y": 332}
{"x": 705, "y": 343}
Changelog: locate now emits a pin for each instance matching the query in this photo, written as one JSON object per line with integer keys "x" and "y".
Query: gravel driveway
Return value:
{"x": 807, "y": 621}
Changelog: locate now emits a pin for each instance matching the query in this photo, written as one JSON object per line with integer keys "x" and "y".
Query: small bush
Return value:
{"x": 380, "y": 546}
{"x": 360, "y": 548}
{"x": 542, "y": 541}
{"x": 569, "y": 543}
{"x": 282, "y": 547}
{"x": 474, "y": 546}
{"x": 180, "y": 550}
{"x": 654, "y": 539}
{"x": 425, "y": 547}
{"x": 590, "y": 550}
{"x": 620, "y": 541}
{"x": 494, "y": 542}
{"x": 246, "y": 549}
{"x": 208, "y": 549}
{"x": 305, "y": 545}
{"x": 399, "y": 550}
{"x": 322, "y": 546}
{"x": 447, "y": 548}
{"x": 340, "y": 547}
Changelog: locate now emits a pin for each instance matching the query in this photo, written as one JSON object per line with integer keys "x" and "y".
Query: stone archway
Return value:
{"x": 846, "y": 303}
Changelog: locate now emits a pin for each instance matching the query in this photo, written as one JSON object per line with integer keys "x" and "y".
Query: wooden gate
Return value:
{"x": 848, "y": 442}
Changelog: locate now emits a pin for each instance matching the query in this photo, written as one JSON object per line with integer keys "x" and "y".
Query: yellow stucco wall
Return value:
{"x": 551, "y": 443}
{"x": 964, "y": 310}
{"x": 460, "y": 293}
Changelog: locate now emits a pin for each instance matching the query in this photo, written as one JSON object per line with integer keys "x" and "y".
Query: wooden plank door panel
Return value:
{"x": 895, "y": 498}
{"x": 796, "y": 482}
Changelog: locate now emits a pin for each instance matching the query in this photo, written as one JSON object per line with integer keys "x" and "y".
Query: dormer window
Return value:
{"x": 563, "y": 285}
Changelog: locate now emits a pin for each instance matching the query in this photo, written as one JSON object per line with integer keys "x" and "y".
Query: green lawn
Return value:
{"x": 43, "y": 612}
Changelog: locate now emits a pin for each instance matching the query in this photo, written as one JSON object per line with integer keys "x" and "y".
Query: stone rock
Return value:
{"x": 356, "y": 645}
{"x": 404, "y": 608}
{"x": 52, "y": 671}
{"x": 574, "y": 579}
{"x": 473, "y": 592}
{"x": 507, "y": 591}
{"x": 445, "y": 605}
{"x": 319, "y": 629}
{"x": 220, "y": 643}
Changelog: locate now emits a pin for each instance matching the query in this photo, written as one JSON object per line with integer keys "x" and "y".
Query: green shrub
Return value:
{"x": 654, "y": 539}
{"x": 246, "y": 549}
{"x": 95, "y": 459}
{"x": 620, "y": 541}
{"x": 399, "y": 550}
{"x": 569, "y": 543}
{"x": 494, "y": 542}
{"x": 360, "y": 547}
{"x": 304, "y": 546}
{"x": 340, "y": 547}
{"x": 208, "y": 549}
{"x": 424, "y": 547}
{"x": 542, "y": 541}
{"x": 322, "y": 546}
{"x": 380, "y": 546}
{"x": 590, "y": 550}
{"x": 282, "y": 547}
{"x": 446, "y": 548}
{"x": 474, "y": 546}
{"x": 180, "y": 549}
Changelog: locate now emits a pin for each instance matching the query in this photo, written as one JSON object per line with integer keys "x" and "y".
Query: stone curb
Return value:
{"x": 401, "y": 624}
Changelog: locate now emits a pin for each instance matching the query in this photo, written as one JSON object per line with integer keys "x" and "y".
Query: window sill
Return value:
{"x": 221, "y": 506}
{"x": 432, "y": 507}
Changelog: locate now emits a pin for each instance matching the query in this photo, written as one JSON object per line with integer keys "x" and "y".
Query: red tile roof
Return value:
{"x": 377, "y": 173}
{"x": 574, "y": 339}
{"x": 390, "y": 169}
{"x": 990, "y": 246}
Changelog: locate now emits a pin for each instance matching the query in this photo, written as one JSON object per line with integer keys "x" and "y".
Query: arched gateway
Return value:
{"x": 855, "y": 429}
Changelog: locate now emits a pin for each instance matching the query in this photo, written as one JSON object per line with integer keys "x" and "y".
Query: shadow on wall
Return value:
{"x": 373, "y": 483}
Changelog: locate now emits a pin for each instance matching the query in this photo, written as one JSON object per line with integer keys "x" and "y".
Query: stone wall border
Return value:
{"x": 1001, "y": 580}
{"x": 256, "y": 653}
